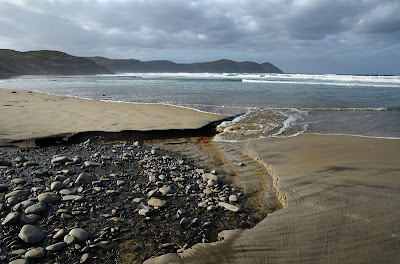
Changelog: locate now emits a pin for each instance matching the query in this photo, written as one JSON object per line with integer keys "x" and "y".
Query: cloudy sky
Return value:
{"x": 302, "y": 36}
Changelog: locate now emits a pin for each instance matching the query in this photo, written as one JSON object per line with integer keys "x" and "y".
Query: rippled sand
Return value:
{"x": 343, "y": 198}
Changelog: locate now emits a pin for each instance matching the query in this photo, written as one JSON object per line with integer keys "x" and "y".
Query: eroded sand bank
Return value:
{"x": 25, "y": 115}
{"x": 343, "y": 205}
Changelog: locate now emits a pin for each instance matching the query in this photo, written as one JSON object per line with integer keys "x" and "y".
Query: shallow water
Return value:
{"x": 270, "y": 105}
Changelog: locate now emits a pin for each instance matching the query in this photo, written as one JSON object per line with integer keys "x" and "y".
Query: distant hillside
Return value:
{"x": 45, "y": 62}
{"x": 219, "y": 66}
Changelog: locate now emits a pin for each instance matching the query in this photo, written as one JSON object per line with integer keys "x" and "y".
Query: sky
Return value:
{"x": 298, "y": 36}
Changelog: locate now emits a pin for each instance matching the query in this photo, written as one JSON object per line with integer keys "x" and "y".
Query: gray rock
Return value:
{"x": 73, "y": 198}
{"x": 17, "y": 193}
{"x": 56, "y": 246}
{"x": 30, "y": 219}
{"x": 19, "y": 261}
{"x": 13, "y": 200}
{"x": 60, "y": 160}
{"x": 31, "y": 234}
{"x": 18, "y": 181}
{"x": 84, "y": 258}
{"x": 79, "y": 233}
{"x": 57, "y": 185}
{"x": 36, "y": 208}
{"x": 233, "y": 198}
{"x": 229, "y": 207}
{"x": 211, "y": 182}
{"x": 211, "y": 208}
{"x": 35, "y": 253}
{"x": 184, "y": 221}
{"x": 84, "y": 178}
{"x": 67, "y": 191}
{"x": 2, "y": 207}
{"x": 165, "y": 190}
{"x": 156, "y": 202}
{"x": 48, "y": 197}
{"x": 208, "y": 176}
{"x": 11, "y": 218}
{"x": 138, "y": 200}
{"x": 29, "y": 164}
{"x": 69, "y": 239}
{"x": 89, "y": 163}
{"x": 144, "y": 211}
{"x": 23, "y": 205}
{"x": 60, "y": 233}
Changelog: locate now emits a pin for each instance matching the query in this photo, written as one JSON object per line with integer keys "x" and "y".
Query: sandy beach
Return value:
{"x": 342, "y": 192}
{"x": 343, "y": 198}
{"x": 26, "y": 115}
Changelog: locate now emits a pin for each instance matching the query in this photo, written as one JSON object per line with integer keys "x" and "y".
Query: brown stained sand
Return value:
{"x": 343, "y": 205}
{"x": 26, "y": 115}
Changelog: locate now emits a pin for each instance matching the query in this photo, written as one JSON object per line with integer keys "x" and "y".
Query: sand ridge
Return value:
{"x": 26, "y": 115}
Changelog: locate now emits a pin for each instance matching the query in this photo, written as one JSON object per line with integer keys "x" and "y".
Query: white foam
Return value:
{"x": 322, "y": 83}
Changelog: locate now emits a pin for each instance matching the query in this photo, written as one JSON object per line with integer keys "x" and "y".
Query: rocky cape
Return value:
{"x": 219, "y": 66}
{"x": 46, "y": 62}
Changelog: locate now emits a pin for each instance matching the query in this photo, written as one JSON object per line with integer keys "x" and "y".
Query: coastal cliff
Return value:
{"x": 219, "y": 66}
{"x": 45, "y": 62}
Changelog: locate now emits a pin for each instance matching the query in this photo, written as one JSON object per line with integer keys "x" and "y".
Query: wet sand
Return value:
{"x": 343, "y": 197}
{"x": 27, "y": 115}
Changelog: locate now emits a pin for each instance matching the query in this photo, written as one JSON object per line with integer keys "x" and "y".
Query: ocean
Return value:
{"x": 265, "y": 105}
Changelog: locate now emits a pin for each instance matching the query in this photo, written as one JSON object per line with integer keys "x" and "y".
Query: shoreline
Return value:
{"x": 341, "y": 190}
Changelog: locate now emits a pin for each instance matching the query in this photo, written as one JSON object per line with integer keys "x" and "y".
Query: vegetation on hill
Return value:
{"x": 45, "y": 62}
{"x": 219, "y": 66}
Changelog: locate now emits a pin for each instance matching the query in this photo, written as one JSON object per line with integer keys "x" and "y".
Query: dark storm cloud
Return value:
{"x": 286, "y": 31}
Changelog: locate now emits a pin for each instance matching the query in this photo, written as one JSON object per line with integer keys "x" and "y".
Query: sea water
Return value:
{"x": 265, "y": 105}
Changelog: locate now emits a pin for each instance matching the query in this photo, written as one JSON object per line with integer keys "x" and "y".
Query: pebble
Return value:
{"x": 60, "y": 160}
{"x": 84, "y": 178}
{"x": 84, "y": 258}
{"x": 79, "y": 233}
{"x": 165, "y": 190}
{"x": 36, "y": 208}
{"x": 229, "y": 207}
{"x": 69, "y": 239}
{"x": 31, "y": 234}
{"x": 35, "y": 253}
{"x": 19, "y": 261}
{"x": 11, "y": 218}
{"x": 233, "y": 198}
{"x": 60, "y": 233}
{"x": 76, "y": 198}
{"x": 57, "y": 185}
{"x": 89, "y": 163}
{"x": 48, "y": 197}
{"x": 156, "y": 202}
{"x": 18, "y": 181}
{"x": 30, "y": 219}
{"x": 56, "y": 246}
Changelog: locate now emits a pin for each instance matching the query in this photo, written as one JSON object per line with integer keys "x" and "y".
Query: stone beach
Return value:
{"x": 109, "y": 202}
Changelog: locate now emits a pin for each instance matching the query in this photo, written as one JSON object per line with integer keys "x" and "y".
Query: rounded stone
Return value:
{"x": 31, "y": 234}
{"x": 35, "y": 253}
{"x": 69, "y": 239}
{"x": 11, "y": 218}
{"x": 19, "y": 261}
{"x": 233, "y": 198}
{"x": 57, "y": 185}
{"x": 36, "y": 208}
{"x": 156, "y": 202}
{"x": 48, "y": 197}
{"x": 56, "y": 247}
{"x": 79, "y": 233}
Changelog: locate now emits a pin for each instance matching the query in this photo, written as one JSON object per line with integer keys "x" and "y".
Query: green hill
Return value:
{"x": 46, "y": 62}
